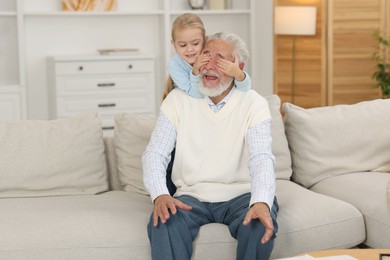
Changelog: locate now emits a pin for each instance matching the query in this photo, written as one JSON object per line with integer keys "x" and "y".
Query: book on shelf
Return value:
{"x": 88, "y": 5}
{"x": 118, "y": 51}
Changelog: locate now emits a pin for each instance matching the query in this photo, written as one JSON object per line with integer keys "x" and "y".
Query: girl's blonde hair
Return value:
{"x": 184, "y": 21}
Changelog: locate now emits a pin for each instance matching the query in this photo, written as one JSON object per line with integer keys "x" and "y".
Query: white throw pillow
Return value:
{"x": 279, "y": 140}
{"x": 329, "y": 141}
{"x": 57, "y": 157}
{"x": 132, "y": 135}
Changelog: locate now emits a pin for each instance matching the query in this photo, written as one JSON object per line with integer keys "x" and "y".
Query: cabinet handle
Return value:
{"x": 106, "y": 84}
{"x": 107, "y": 105}
{"x": 107, "y": 127}
{"x": 130, "y": 66}
{"x": 81, "y": 68}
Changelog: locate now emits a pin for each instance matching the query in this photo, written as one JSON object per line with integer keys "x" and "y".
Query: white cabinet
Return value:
{"x": 12, "y": 91}
{"x": 10, "y": 103}
{"x": 32, "y": 30}
{"x": 106, "y": 84}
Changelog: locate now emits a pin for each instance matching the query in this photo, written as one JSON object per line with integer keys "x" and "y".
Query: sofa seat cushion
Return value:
{"x": 111, "y": 225}
{"x": 367, "y": 191}
{"x": 214, "y": 242}
{"x": 309, "y": 221}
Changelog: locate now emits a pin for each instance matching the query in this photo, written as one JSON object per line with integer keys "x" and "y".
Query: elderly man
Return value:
{"x": 224, "y": 167}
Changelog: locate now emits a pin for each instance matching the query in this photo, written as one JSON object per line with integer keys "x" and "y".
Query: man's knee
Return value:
{"x": 174, "y": 222}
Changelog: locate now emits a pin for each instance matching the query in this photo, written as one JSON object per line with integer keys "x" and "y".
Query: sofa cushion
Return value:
{"x": 111, "y": 225}
{"x": 307, "y": 221}
{"x": 330, "y": 141}
{"x": 367, "y": 192}
{"x": 112, "y": 171}
{"x": 57, "y": 157}
{"x": 279, "y": 140}
{"x": 388, "y": 195}
{"x": 133, "y": 131}
{"x": 131, "y": 136}
{"x": 310, "y": 221}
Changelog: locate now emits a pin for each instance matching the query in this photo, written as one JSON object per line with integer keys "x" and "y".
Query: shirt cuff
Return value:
{"x": 264, "y": 198}
{"x": 158, "y": 192}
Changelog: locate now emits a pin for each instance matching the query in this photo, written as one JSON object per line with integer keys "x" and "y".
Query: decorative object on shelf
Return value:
{"x": 118, "y": 51}
{"x": 197, "y": 4}
{"x": 217, "y": 4}
{"x": 88, "y": 5}
{"x": 382, "y": 73}
{"x": 295, "y": 21}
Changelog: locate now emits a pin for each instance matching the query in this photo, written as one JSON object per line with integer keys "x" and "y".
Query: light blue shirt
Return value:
{"x": 181, "y": 74}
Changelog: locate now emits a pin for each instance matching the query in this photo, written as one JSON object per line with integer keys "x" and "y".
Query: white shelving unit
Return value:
{"x": 12, "y": 84}
{"x": 34, "y": 30}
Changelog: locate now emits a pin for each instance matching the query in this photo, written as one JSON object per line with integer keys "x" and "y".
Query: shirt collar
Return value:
{"x": 217, "y": 107}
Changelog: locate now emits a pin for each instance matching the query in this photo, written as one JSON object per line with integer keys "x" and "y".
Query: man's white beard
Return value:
{"x": 214, "y": 92}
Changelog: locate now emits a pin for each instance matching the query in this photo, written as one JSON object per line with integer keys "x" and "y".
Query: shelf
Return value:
{"x": 97, "y": 57}
{"x": 212, "y": 12}
{"x": 116, "y": 13}
{"x": 7, "y": 13}
{"x": 132, "y": 13}
{"x": 11, "y": 88}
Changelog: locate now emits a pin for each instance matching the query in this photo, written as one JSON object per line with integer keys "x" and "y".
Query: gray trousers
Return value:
{"x": 173, "y": 240}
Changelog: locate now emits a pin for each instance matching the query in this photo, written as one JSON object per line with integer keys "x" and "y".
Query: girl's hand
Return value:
{"x": 200, "y": 61}
{"x": 231, "y": 68}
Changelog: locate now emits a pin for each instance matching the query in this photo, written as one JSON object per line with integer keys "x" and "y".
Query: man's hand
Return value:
{"x": 231, "y": 69}
{"x": 200, "y": 61}
{"x": 163, "y": 204}
{"x": 260, "y": 211}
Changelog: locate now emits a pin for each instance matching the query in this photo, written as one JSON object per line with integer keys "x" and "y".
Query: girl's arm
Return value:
{"x": 245, "y": 84}
{"x": 181, "y": 74}
{"x": 241, "y": 78}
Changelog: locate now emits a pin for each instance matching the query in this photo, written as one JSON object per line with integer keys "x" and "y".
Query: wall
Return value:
{"x": 263, "y": 73}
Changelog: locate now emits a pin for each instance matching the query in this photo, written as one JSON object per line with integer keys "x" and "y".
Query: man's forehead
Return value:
{"x": 220, "y": 46}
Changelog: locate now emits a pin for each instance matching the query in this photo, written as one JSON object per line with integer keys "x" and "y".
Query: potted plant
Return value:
{"x": 382, "y": 73}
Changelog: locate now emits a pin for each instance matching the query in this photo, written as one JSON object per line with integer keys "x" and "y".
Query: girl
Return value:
{"x": 188, "y": 38}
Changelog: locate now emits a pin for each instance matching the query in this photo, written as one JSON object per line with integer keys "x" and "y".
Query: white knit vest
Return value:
{"x": 211, "y": 161}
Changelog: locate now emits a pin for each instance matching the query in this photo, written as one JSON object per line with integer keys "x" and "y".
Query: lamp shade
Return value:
{"x": 295, "y": 20}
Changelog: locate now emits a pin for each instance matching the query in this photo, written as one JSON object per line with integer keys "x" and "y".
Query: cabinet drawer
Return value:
{"x": 96, "y": 67}
{"x": 10, "y": 106}
{"x": 103, "y": 84}
{"x": 137, "y": 104}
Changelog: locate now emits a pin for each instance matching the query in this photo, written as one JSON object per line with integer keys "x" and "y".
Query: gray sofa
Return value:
{"x": 67, "y": 192}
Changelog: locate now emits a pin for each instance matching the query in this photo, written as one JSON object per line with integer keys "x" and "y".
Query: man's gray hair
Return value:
{"x": 241, "y": 49}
